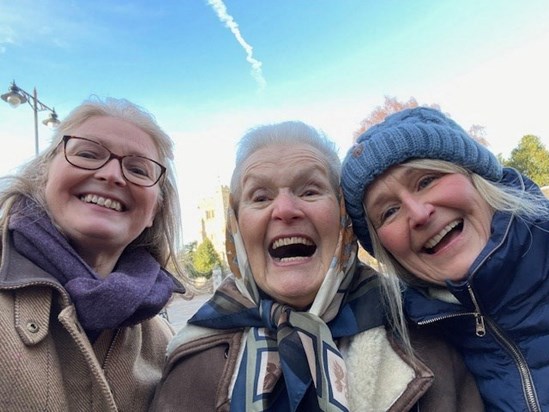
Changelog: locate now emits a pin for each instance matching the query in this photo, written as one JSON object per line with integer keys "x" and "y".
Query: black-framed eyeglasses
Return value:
{"x": 91, "y": 155}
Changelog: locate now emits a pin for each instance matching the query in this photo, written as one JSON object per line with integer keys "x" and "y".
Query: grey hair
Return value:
{"x": 498, "y": 196}
{"x": 288, "y": 132}
{"x": 296, "y": 132}
{"x": 163, "y": 238}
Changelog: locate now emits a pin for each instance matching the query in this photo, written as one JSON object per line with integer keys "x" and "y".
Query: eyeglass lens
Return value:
{"x": 90, "y": 155}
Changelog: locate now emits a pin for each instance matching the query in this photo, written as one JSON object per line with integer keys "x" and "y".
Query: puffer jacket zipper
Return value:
{"x": 524, "y": 372}
{"x": 481, "y": 322}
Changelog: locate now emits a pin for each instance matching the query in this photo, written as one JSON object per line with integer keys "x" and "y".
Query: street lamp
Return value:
{"x": 17, "y": 96}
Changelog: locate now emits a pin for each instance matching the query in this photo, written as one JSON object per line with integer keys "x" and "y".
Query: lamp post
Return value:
{"x": 17, "y": 96}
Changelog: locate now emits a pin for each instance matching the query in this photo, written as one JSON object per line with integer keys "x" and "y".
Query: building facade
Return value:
{"x": 213, "y": 212}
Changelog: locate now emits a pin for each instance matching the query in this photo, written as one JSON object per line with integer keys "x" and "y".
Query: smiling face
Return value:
{"x": 288, "y": 216}
{"x": 98, "y": 211}
{"x": 434, "y": 224}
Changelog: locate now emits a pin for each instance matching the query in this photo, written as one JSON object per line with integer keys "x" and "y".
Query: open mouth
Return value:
{"x": 102, "y": 201}
{"x": 442, "y": 238}
{"x": 292, "y": 248}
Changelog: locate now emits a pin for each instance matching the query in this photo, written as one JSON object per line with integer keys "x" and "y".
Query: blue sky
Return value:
{"x": 209, "y": 70}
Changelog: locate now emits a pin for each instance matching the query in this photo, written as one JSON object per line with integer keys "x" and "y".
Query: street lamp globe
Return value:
{"x": 14, "y": 98}
{"x": 51, "y": 121}
{"x": 17, "y": 96}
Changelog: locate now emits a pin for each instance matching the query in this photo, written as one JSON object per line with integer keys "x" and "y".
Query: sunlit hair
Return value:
{"x": 284, "y": 133}
{"x": 163, "y": 238}
{"x": 296, "y": 132}
{"x": 524, "y": 205}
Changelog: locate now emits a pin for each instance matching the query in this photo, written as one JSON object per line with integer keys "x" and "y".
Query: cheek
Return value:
{"x": 250, "y": 228}
{"x": 329, "y": 224}
{"x": 156, "y": 209}
{"x": 53, "y": 189}
{"x": 393, "y": 239}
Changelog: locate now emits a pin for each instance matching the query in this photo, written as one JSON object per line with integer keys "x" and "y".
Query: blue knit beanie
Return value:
{"x": 418, "y": 133}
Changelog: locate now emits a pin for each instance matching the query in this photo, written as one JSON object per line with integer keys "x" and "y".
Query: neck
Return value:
{"x": 102, "y": 263}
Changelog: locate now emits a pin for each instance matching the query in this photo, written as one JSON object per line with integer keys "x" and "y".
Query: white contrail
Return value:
{"x": 227, "y": 19}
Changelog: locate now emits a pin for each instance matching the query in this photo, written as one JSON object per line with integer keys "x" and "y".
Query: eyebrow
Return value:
{"x": 301, "y": 175}
{"x": 403, "y": 175}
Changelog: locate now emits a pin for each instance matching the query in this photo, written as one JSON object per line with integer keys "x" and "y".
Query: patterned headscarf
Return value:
{"x": 290, "y": 359}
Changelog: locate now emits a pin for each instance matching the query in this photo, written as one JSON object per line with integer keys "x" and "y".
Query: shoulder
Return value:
{"x": 156, "y": 331}
{"x": 193, "y": 342}
{"x": 198, "y": 372}
{"x": 381, "y": 375}
{"x": 454, "y": 387}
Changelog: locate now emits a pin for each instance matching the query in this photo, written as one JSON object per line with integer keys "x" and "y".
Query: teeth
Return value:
{"x": 291, "y": 241}
{"x": 101, "y": 201}
{"x": 437, "y": 238}
{"x": 292, "y": 259}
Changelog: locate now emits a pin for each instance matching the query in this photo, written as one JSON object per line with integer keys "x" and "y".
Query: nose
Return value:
{"x": 286, "y": 207}
{"x": 112, "y": 172}
{"x": 419, "y": 211}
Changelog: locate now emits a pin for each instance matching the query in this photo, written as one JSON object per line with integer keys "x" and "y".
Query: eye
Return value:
{"x": 387, "y": 213}
{"x": 89, "y": 153}
{"x": 138, "y": 166}
{"x": 310, "y": 192}
{"x": 138, "y": 171}
{"x": 259, "y": 199}
{"x": 85, "y": 150}
{"x": 259, "y": 196}
{"x": 312, "y": 188}
{"x": 426, "y": 181}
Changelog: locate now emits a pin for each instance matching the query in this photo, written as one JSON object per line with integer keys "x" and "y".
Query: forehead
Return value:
{"x": 282, "y": 159}
{"x": 386, "y": 182}
{"x": 116, "y": 133}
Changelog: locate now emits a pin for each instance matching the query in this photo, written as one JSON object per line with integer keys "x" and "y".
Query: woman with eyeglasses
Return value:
{"x": 88, "y": 227}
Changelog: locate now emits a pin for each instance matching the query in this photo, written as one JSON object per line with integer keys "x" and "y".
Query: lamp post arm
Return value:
{"x": 33, "y": 101}
{"x": 16, "y": 95}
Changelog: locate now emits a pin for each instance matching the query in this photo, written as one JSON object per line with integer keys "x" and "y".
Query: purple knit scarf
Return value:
{"x": 137, "y": 290}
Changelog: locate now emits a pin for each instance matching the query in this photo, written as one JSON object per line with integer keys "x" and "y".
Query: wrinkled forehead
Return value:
{"x": 280, "y": 157}
{"x": 281, "y": 161}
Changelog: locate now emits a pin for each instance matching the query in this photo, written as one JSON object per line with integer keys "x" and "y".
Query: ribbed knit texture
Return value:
{"x": 418, "y": 133}
{"x": 137, "y": 290}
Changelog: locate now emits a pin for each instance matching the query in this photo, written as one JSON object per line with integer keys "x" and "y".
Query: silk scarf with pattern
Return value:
{"x": 291, "y": 361}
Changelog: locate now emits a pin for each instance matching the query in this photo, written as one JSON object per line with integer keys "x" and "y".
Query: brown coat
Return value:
{"x": 47, "y": 362}
{"x": 198, "y": 374}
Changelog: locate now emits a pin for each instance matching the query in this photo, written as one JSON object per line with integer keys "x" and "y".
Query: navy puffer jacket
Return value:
{"x": 501, "y": 324}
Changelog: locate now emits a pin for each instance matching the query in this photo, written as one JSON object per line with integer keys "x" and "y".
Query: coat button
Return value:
{"x": 32, "y": 327}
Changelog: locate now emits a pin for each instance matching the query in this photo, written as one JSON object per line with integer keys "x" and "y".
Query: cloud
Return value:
{"x": 227, "y": 19}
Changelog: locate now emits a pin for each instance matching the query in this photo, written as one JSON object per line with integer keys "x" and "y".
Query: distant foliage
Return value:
{"x": 186, "y": 257}
{"x": 531, "y": 158}
{"x": 205, "y": 258}
{"x": 390, "y": 106}
{"x": 478, "y": 133}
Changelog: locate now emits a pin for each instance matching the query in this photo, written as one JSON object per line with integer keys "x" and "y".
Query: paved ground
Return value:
{"x": 179, "y": 309}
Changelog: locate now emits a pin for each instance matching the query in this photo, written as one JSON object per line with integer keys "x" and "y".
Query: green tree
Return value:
{"x": 205, "y": 258}
{"x": 186, "y": 259}
{"x": 531, "y": 158}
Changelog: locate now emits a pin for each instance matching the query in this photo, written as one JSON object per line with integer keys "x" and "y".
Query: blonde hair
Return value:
{"x": 163, "y": 238}
{"x": 499, "y": 197}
